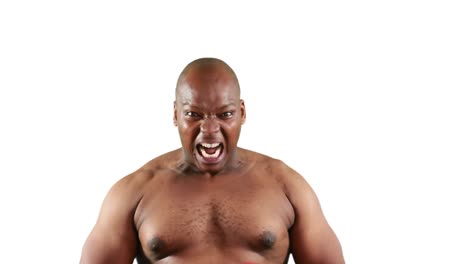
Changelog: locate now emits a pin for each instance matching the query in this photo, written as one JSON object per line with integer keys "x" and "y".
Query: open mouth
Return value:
{"x": 210, "y": 151}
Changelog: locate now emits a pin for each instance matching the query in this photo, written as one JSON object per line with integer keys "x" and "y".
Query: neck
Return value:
{"x": 187, "y": 166}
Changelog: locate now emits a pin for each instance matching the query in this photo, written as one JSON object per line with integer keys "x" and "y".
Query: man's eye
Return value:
{"x": 226, "y": 114}
{"x": 192, "y": 114}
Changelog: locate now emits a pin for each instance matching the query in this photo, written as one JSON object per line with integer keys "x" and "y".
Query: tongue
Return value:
{"x": 210, "y": 150}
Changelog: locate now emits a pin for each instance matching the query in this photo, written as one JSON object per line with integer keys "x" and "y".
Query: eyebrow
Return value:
{"x": 188, "y": 103}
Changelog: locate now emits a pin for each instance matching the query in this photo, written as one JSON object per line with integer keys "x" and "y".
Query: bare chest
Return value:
{"x": 251, "y": 216}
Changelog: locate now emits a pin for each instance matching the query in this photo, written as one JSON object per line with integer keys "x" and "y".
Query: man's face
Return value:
{"x": 209, "y": 114}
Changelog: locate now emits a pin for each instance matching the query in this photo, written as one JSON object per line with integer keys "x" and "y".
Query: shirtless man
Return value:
{"x": 211, "y": 201}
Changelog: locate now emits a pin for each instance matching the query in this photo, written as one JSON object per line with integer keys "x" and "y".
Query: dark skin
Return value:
{"x": 211, "y": 201}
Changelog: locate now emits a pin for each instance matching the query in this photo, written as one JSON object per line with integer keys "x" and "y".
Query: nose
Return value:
{"x": 209, "y": 126}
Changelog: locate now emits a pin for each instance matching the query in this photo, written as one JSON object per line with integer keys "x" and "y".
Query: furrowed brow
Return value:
{"x": 227, "y": 106}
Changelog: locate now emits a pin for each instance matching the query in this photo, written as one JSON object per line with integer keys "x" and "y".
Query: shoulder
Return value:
{"x": 132, "y": 187}
{"x": 261, "y": 160}
{"x": 282, "y": 173}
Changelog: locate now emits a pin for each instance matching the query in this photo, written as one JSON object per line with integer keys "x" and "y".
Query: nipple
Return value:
{"x": 155, "y": 244}
{"x": 268, "y": 239}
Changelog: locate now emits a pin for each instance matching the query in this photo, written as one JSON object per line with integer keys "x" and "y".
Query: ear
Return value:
{"x": 243, "y": 113}
{"x": 174, "y": 118}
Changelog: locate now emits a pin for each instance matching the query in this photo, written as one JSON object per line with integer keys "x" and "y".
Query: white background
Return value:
{"x": 366, "y": 99}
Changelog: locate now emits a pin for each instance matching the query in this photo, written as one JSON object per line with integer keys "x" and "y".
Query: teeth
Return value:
{"x": 214, "y": 155}
{"x": 208, "y": 145}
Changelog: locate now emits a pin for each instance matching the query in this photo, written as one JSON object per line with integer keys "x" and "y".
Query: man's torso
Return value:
{"x": 236, "y": 217}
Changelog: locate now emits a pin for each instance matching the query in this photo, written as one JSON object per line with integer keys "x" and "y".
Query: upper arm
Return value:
{"x": 312, "y": 239}
{"x": 113, "y": 238}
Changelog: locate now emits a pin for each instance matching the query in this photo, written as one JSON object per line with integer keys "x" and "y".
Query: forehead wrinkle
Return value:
{"x": 189, "y": 95}
{"x": 188, "y": 105}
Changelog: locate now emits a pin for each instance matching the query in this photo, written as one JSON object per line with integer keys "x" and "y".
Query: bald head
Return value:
{"x": 206, "y": 71}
